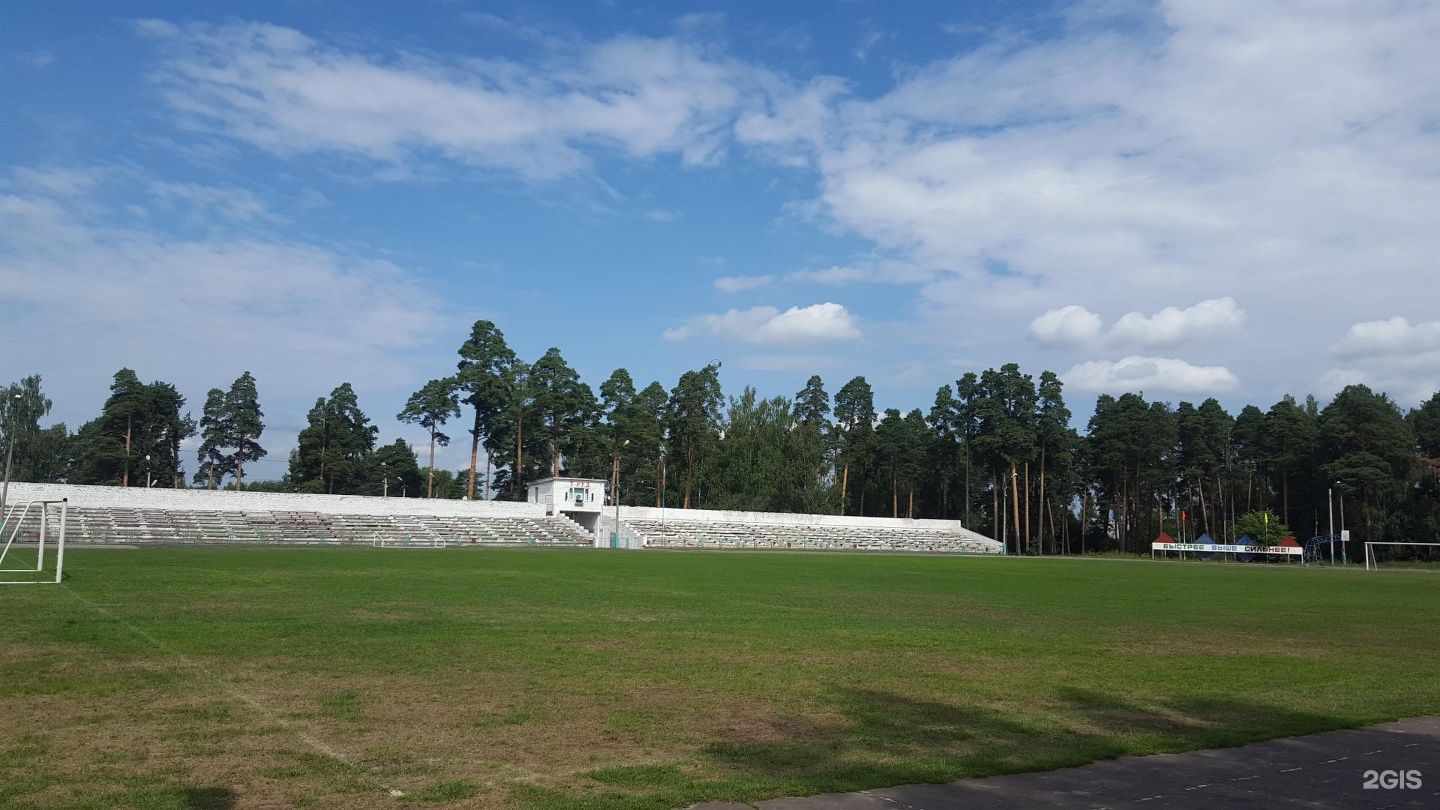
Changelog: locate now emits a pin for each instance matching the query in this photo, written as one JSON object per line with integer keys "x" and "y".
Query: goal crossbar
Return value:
{"x": 1371, "y": 564}
{"x": 11, "y": 527}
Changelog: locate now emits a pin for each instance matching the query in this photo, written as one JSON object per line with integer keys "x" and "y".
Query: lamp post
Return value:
{"x": 615, "y": 496}
{"x": 1004, "y": 519}
{"x": 147, "y": 470}
{"x": 384, "y": 481}
{"x": 9, "y": 454}
{"x": 1015, "y": 493}
{"x": 1342, "y": 523}
{"x": 1330, "y": 505}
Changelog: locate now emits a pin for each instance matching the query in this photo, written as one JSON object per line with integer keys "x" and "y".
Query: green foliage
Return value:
{"x": 854, "y": 440}
{"x": 431, "y": 407}
{"x": 33, "y": 453}
{"x": 692, "y": 421}
{"x": 334, "y": 446}
{"x": 138, "y": 420}
{"x": 1264, "y": 528}
{"x": 484, "y": 383}
{"x": 1369, "y": 452}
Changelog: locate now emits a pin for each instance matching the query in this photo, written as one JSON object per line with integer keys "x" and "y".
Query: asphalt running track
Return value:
{"x": 1316, "y": 771}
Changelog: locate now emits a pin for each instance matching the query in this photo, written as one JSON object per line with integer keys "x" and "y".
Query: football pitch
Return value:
{"x": 232, "y": 677}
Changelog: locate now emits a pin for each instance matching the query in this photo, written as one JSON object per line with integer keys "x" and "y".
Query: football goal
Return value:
{"x": 1402, "y": 555}
{"x": 30, "y": 529}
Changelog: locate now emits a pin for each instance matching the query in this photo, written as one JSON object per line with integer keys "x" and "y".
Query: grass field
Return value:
{"x": 262, "y": 677}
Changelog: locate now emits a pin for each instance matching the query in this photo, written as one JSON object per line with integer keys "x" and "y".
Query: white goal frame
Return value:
{"x": 56, "y": 534}
{"x": 411, "y": 542}
{"x": 1372, "y": 564}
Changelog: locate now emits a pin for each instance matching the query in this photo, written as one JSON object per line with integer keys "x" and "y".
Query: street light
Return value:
{"x": 1004, "y": 519}
{"x": 1343, "y": 552}
{"x": 9, "y": 453}
{"x": 615, "y": 496}
{"x": 1015, "y": 492}
{"x": 384, "y": 481}
{"x": 1330, "y": 505}
{"x": 147, "y": 470}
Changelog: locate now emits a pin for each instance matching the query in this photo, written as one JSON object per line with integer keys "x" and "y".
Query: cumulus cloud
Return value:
{"x": 1151, "y": 374}
{"x": 734, "y": 284}
{"x": 1391, "y": 355}
{"x": 1387, "y": 338}
{"x": 1171, "y": 326}
{"x": 817, "y": 323}
{"x": 284, "y": 92}
{"x": 1066, "y": 326}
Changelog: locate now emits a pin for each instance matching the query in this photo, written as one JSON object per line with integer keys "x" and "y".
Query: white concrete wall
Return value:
{"x": 228, "y": 501}
{"x": 720, "y": 516}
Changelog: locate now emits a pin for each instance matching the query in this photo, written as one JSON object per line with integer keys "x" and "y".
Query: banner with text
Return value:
{"x": 1228, "y": 549}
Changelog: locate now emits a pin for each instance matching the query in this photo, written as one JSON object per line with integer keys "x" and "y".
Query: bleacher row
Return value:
{"x": 146, "y": 526}
{"x": 802, "y": 537}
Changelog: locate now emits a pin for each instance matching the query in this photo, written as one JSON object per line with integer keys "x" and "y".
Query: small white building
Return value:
{"x": 581, "y": 499}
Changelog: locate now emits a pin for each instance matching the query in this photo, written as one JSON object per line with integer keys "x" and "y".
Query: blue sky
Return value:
{"x": 1189, "y": 199}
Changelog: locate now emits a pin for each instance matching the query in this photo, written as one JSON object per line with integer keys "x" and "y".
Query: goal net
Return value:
{"x": 1402, "y": 555}
{"x": 411, "y": 542}
{"x": 33, "y": 533}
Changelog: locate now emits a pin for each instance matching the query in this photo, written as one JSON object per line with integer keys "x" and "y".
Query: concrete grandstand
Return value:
{"x": 133, "y": 516}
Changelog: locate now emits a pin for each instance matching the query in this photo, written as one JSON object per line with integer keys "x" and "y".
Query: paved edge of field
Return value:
{"x": 1328, "y": 770}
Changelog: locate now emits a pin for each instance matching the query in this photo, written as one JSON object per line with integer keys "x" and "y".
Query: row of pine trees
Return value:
{"x": 996, "y": 450}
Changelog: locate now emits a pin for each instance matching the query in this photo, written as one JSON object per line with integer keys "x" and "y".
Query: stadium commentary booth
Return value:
{"x": 579, "y": 499}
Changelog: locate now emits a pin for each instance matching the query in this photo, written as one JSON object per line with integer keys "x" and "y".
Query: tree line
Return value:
{"x": 997, "y": 450}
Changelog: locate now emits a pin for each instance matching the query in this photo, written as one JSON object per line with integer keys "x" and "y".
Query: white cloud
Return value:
{"x": 1391, "y": 355}
{"x": 284, "y": 92}
{"x": 1151, "y": 374}
{"x": 86, "y": 296}
{"x": 1075, "y": 325}
{"x": 734, "y": 284}
{"x": 1172, "y": 326}
{"x": 1210, "y": 149}
{"x": 1392, "y": 337}
{"x": 1066, "y": 326}
{"x": 817, "y": 323}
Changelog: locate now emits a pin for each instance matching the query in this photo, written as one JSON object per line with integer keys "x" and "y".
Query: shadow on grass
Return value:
{"x": 882, "y": 739}
{"x": 208, "y": 798}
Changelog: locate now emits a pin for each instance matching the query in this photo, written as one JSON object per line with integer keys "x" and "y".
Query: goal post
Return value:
{"x": 1372, "y": 559}
{"x": 47, "y": 520}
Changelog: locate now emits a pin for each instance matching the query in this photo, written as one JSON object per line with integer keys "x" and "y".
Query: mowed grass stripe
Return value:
{"x": 569, "y": 679}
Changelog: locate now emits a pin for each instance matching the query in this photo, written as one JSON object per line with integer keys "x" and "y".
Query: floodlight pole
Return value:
{"x": 1342, "y": 519}
{"x": 1005, "y": 518}
{"x": 9, "y": 454}
{"x": 1330, "y": 504}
